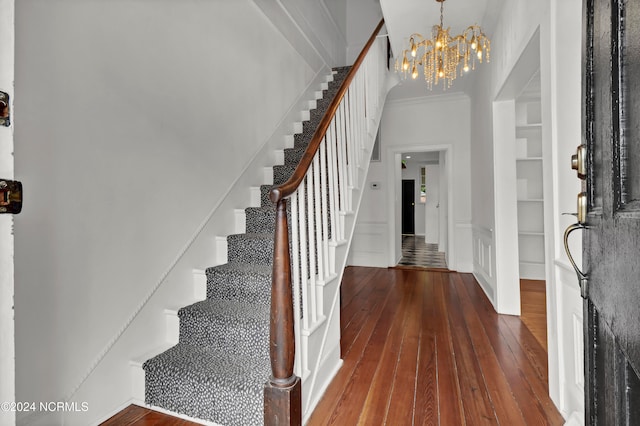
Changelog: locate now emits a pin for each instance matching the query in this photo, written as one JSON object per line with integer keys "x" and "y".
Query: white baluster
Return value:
{"x": 302, "y": 252}
{"x": 317, "y": 196}
{"x": 333, "y": 204}
{"x": 311, "y": 281}
{"x": 341, "y": 188}
{"x": 324, "y": 182}
{"x": 297, "y": 300}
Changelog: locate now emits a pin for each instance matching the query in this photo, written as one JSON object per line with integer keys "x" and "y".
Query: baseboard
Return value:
{"x": 486, "y": 288}
{"x": 322, "y": 389}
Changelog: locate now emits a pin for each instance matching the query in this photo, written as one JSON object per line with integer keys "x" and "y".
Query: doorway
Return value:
{"x": 428, "y": 168}
{"x": 528, "y": 222}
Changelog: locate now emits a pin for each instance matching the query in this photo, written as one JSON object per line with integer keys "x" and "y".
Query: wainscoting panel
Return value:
{"x": 462, "y": 259}
{"x": 369, "y": 245}
{"x": 483, "y": 260}
{"x": 570, "y": 340}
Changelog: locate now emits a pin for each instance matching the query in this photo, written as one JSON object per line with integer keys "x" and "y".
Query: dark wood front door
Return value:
{"x": 408, "y": 206}
{"x": 611, "y": 252}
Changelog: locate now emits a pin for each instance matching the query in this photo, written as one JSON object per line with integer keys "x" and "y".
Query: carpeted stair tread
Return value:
{"x": 294, "y": 155}
{"x": 265, "y": 201}
{"x": 239, "y": 327}
{"x": 251, "y": 236}
{"x": 282, "y": 173}
{"x": 240, "y": 268}
{"x": 227, "y": 309}
{"x": 251, "y": 247}
{"x": 301, "y": 140}
{"x": 207, "y": 383}
{"x": 260, "y": 219}
{"x": 209, "y": 365}
{"x": 240, "y": 281}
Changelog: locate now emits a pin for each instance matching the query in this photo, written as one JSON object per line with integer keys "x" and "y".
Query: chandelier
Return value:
{"x": 441, "y": 56}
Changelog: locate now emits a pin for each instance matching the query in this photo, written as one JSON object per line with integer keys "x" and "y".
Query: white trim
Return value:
{"x": 507, "y": 294}
{"x": 421, "y": 100}
{"x": 343, "y": 37}
{"x": 393, "y": 155}
{"x": 464, "y": 263}
{"x": 483, "y": 259}
{"x": 322, "y": 389}
{"x": 292, "y": 29}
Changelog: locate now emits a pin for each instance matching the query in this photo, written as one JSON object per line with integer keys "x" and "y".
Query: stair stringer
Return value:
{"x": 321, "y": 343}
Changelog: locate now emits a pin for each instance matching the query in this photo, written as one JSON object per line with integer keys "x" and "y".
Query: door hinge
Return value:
{"x": 10, "y": 196}
{"x": 5, "y": 115}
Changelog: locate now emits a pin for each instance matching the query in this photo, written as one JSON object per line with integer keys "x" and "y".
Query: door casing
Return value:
{"x": 394, "y": 179}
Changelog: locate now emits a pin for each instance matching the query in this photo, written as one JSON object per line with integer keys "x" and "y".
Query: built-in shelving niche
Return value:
{"x": 529, "y": 180}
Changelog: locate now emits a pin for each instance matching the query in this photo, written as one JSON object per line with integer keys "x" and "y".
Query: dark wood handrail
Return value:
{"x": 282, "y": 393}
{"x": 289, "y": 187}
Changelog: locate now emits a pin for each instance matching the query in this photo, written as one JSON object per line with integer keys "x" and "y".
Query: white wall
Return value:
{"x": 313, "y": 29}
{"x": 564, "y": 302}
{"x": 133, "y": 120}
{"x": 338, "y": 11}
{"x": 7, "y": 344}
{"x": 558, "y": 21}
{"x": 416, "y": 125}
{"x": 518, "y": 22}
{"x": 362, "y": 18}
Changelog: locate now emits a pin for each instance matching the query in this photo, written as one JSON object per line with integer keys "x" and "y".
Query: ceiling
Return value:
{"x": 405, "y": 17}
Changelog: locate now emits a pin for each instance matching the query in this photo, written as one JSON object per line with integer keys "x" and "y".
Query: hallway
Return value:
{"x": 417, "y": 253}
{"x": 426, "y": 347}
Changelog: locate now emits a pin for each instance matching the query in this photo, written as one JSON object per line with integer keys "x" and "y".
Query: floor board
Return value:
{"x": 140, "y": 416}
{"x": 533, "y": 305}
{"x": 473, "y": 366}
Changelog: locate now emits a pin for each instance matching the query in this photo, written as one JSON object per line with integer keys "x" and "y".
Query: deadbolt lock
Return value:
{"x": 579, "y": 162}
{"x": 10, "y": 196}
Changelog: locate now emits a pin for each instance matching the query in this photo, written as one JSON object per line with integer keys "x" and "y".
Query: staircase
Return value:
{"x": 218, "y": 369}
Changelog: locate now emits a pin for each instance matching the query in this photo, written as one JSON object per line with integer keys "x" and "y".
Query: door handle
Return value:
{"x": 582, "y": 216}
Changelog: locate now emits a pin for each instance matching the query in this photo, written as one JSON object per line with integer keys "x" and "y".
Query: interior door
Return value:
{"x": 408, "y": 206}
{"x": 432, "y": 204}
{"x": 611, "y": 242}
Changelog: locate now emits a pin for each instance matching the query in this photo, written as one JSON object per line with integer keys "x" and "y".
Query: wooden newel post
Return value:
{"x": 282, "y": 394}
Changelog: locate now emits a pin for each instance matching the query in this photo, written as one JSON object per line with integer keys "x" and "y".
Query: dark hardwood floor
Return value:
{"x": 533, "y": 305}
{"x": 139, "y": 416}
{"x": 425, "y": 347}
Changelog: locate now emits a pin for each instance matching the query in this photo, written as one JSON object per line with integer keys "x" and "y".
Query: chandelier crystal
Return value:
{"x": 443, "y": 57}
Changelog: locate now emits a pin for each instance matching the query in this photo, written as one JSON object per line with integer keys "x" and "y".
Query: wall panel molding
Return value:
{"x": 290, "y": 20}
